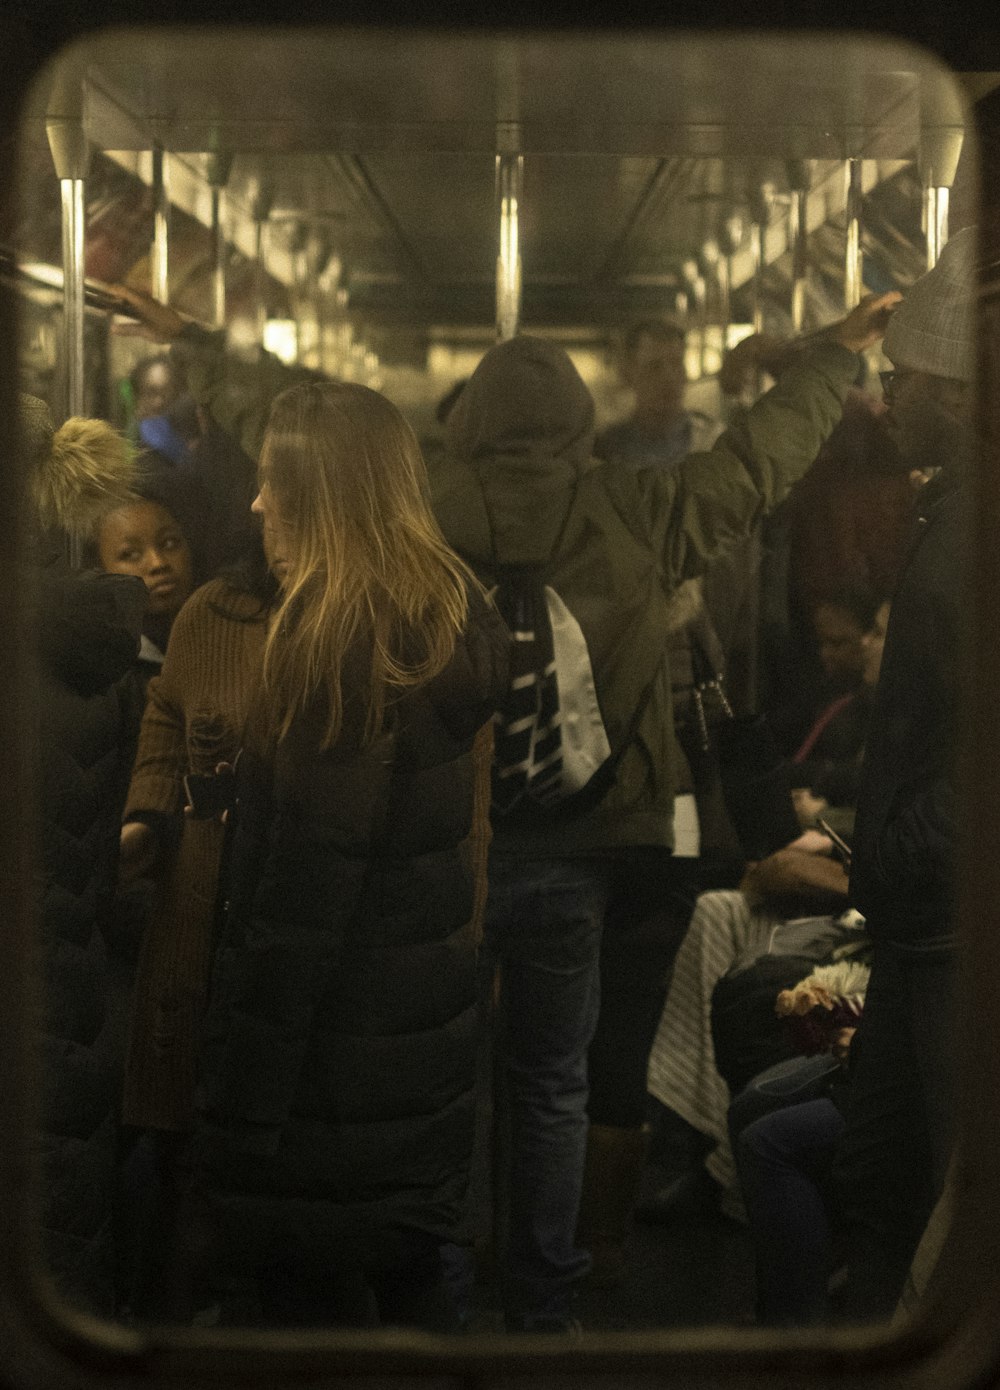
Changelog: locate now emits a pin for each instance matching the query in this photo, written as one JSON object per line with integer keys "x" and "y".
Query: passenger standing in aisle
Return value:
{"x": 517, "y": 484}
{"x": 892, "y": 1159}
{"x": 518, "y": 487}
{"x": 87, "y": 631}
{"x": 648, "y": 911}
{"x": 337, "y": 1087}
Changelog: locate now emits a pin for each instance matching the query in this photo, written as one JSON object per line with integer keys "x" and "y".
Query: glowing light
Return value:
{"x": 282, "y": 338}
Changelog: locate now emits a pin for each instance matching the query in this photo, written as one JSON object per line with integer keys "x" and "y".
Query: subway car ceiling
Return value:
{"x": 362, "y": 168}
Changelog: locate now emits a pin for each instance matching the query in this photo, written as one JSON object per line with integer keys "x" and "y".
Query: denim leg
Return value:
{"x": 543, "y": 926}
{"x": 783, "y": 1160}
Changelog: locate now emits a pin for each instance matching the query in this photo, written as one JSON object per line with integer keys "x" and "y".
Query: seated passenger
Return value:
{"x": 682, "y": 1075}
{"x": 827, "y": 767}
{"x": 826, "y": 679}
{"x": 784, "y": 1130}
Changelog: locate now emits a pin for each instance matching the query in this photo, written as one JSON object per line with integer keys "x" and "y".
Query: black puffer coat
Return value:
{"x": 338, "y": 1063}
{"x": 88, "y": 633}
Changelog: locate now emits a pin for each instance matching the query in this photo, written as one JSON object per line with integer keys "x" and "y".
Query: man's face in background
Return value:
{"x": 654, "y": 370}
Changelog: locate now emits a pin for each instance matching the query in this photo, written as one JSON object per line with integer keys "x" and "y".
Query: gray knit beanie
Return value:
{"x": 37, "y": 429}
{"x": 934, "y": 329}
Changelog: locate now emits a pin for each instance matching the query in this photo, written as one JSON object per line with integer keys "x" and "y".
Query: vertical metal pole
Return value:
{"x": 509, "y": 181}
{"x": 730, "y": 239}
{"x": 159, "y": 271}
{"x": 261, "y": 211}
{"x": 698, "y": 298}
{"x": 799, "y": 179}
{"x": 218, "y": 262}
{"x": 722, "y": 272}
{"x": 218, "y": 168}
{"x": 852, "y": 255}
{"x": 711, "y": 260}
{"x": 757, "y": 262}
{"x": 258, "y": 277}
{"x": 936, "y": 200}
{"x": 941, "y": 137}
{"x": 73, "y": 277}
{"x": 71, "y": 156}
{"x": 760, "y": 210}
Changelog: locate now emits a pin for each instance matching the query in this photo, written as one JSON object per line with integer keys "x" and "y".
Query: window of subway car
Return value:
{"x": 506, "y": 560}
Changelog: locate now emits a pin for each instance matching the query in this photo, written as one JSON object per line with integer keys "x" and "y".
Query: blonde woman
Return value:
{"x": 338, "y": 1067}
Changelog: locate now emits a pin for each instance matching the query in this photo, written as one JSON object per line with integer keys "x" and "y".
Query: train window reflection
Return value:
{"x": 396, "y": 974}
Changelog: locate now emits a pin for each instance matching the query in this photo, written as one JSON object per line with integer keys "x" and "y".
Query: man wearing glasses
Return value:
{"x": 893, "y": 1156}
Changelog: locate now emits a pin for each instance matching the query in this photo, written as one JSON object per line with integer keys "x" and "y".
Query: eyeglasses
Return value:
{"x": 892, "y": 380}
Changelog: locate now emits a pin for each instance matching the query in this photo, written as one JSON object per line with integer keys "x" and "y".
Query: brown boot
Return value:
{"x": 615, "y": 1161}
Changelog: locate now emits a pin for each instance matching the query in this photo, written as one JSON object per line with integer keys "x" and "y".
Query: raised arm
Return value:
{"x": 235, "y": 393}
{"x": 714, "y": 498}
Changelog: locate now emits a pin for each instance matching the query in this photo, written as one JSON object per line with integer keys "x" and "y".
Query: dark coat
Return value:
{"x": 903, "y": 869}
{"x": 338, "y": 1064}
{"x": 88, "y": 630}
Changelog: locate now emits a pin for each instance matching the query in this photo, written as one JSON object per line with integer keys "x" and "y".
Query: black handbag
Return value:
{"x": 754, "y": 777}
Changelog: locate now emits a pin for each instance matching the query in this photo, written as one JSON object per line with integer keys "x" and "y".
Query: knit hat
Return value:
{"x": 75, "y": 472}
{"x": 934, "y": 329}
{"x": 37, "y": 429}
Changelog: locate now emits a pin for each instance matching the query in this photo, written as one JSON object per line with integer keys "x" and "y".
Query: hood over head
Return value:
{"x": 524, "y": 426}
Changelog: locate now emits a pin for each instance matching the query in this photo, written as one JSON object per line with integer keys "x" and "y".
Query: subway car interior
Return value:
{"x": 384, "y": 207}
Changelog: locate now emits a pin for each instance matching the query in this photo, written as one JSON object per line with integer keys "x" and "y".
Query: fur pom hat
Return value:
{"x": 76, "y": 472}
{"x": 934, "y": 329}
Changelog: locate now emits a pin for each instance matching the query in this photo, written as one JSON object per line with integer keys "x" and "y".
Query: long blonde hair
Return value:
{"x": 369, "y": 572}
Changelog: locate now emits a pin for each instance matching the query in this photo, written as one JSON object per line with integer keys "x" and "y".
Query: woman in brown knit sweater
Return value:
{"x": 194, "y": 719}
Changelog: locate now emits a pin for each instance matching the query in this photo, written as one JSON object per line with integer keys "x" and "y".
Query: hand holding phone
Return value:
{"x": 211, "y": 795}
{"x": 841, "y": 849}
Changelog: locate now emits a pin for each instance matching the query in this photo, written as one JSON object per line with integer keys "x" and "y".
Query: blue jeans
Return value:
{"x": 543, "y": 930}
{"x": 784, "y": 1160}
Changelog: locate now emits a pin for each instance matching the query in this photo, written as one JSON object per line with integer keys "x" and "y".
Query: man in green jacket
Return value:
{"x": 517, "y": 486}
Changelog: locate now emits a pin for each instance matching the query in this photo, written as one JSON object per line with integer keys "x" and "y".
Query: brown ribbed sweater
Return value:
{"x": 195, "y": 716}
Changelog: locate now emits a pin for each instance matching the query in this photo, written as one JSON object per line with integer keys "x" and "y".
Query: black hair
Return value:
{"x": 160, "y": 359}
{"x": 248, "y": 573}
{"x": 663, "y": 330}
{"x": 176, "y": 490}
{"x": 855, "y": 598}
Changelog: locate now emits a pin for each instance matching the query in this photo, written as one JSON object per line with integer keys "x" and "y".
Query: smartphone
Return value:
{"x": 209, "y": 794}
{"x": 841, "y": 849}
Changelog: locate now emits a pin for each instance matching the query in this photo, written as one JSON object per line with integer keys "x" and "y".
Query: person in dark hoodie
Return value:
{"x": 893, "y": 1157}
{"x": 516, "y": 485}
{"x": 87, "y": 629}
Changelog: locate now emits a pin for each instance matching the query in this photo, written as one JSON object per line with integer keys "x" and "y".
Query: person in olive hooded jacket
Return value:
{"x": 518, "y": 487}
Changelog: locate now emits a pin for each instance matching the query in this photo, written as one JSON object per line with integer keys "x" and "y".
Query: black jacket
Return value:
{"x": 88, "y": 630}
{"x": 903, "y": 869}
{"x": 338, "y": 1062}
